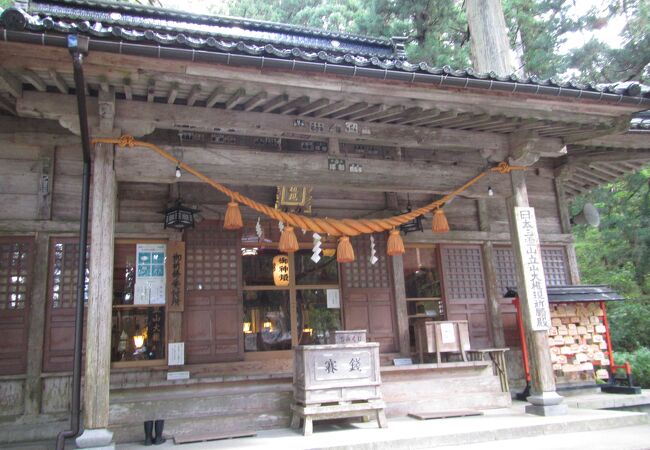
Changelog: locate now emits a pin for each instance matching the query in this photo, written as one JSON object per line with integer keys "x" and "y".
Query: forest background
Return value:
{"x": 595, "y": 41}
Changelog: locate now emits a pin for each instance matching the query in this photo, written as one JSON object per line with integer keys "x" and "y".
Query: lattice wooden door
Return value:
{"x": 367, "y": 295}
{"x": 213, "y": 307}
{"x": 16, "y": 262}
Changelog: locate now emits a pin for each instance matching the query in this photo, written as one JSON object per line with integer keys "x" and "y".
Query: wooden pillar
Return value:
{"x": 544, "y": 399}
{"x": 38, "y": 306}
{"x": 400, "y": 305}
{"x": 100, "y": 295}
{"x": 565, "y": 222}
{"x": 493, "y": 295}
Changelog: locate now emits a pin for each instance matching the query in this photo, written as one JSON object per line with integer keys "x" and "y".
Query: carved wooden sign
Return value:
{"x": 294, "y": 197}
{"x": 176, "y": 275}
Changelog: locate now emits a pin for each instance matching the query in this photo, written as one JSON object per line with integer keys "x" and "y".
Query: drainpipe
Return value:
{"x": 78, "y": 47}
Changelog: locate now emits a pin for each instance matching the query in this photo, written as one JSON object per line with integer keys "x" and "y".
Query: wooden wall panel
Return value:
{"x": 66, "y": 188}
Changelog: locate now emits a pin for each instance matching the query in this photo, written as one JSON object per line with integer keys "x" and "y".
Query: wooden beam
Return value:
{"x": 609, "y": 155}
{"x": 410, "y": 112}
{"x": 151, "y": 90}
{"x": 293, "y": 105}
{"x": 426, "y": 114}
{"x": 590, "y": 174}
{"x": 314, "y": 106}
{"x": 193, "y": 95}
{"x": 235, "y": 98}
{"x": 401, "y": 308}
{"x": 106, "y": 110}
{"x": 255, "y": 101}
{"x": 32, "y": 78}
{"x": 432, "y": 120}
{"x": 172, "y": 94}
{"x": 126, "y": 86}
{"x": 349, "y": 110}
{"x": 387, "y": 113}
{"x": 7, "y": 106}
{"x": 235, "y": 165}
{"x": 59, "y": 82}
{"x": 212, "y": 99}
{"x": 609, "y": 171}
{"x": 361, "y": 115}
{"x": 335, "y": 107}
{"x": 275, "y": 102}
{"x": 159, "y": 115}
{"x": 10, "y": 83}
{"x": 103, "y": 83}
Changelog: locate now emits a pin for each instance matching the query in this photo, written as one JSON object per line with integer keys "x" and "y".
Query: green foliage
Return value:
{"x": 640, "y": 361}
{"x": 617, "y": 253}
{"x": 4, "y": 4}
{"x": 596, "y": 61}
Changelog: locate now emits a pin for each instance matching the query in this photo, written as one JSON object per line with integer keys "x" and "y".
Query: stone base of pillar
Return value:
{"x": 96, "y": 439}
{"x": 546, "y": 404}
{"x": 549, "y": 410}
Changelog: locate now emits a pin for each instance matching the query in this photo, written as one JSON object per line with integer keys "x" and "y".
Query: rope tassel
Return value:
{"x": 344, "y": 251}
{"x": 288, "y": 240}
{"x": 395, "y": 243}
{"x": 233, "y": 220}
{"x": 439, "y": 223}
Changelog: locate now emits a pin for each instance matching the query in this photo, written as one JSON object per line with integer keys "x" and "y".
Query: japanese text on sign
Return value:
{"x": 534, "y": 280}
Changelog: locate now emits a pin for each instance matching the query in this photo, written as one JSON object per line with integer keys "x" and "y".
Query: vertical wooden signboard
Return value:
{"x": 534, "y": 280}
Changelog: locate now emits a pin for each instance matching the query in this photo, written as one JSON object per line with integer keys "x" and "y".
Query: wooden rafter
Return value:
{"x": 58, "y": 81}
{"x": 10, "y": 83}
{"x": 35, "y": 80}
{"x": 194, "y": 94}
{"x": 235, "y": 98}
{"x": 214, "y": 95}
{"x": 255, "y": 101}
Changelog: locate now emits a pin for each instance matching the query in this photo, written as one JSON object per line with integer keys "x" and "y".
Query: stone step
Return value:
{"x": 404, "y": 433}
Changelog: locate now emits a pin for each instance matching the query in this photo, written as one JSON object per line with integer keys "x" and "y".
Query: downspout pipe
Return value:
{"x": 78, "y": 47}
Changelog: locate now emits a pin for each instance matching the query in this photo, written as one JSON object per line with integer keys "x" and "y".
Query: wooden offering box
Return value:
{"x": 442, "y": 337}
{"x": 336, "y": 381}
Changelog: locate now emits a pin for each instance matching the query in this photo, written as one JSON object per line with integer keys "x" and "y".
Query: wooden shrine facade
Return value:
{"x": 367, "y": 132}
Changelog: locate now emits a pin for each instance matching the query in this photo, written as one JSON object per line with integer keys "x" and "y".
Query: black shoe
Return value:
{"x": 160, "y": 424}
{"x": 148, "y": 432}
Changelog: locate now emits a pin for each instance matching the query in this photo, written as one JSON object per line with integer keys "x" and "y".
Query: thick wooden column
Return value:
{"x": 544, "y": 399}
{"x": 493, "y": 296}
{"x": 492, "y": 291}
{"x": 565, "y": 221}
{"x": 397, "y": 262}
{"x": 38, "y": 306}
{"x": 100, "y": 296}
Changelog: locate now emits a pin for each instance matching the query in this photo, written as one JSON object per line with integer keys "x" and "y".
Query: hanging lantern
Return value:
{"x": 411, "y": 225}
{"x": 281, "y": 270}
{"x": 179, "y": 217}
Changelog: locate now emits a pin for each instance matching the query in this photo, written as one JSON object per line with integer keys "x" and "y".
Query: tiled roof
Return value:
{"x": 108, "y": 21}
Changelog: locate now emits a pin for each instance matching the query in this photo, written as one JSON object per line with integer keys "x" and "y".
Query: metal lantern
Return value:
{"x": 411, "y": 225}
{"x": 179, "y": 217}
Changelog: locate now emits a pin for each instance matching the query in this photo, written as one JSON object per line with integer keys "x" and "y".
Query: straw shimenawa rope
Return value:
{"x": 334, "y": 227}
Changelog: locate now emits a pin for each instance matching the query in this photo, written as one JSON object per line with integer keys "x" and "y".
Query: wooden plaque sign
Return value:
{"x": 175, "y": 275}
